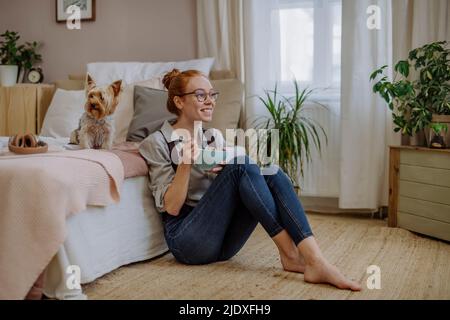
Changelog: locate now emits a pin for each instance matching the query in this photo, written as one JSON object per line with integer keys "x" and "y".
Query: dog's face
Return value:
{"x": 102, "y": 101}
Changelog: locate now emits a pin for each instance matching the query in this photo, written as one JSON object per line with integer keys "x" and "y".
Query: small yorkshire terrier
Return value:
{"x": 96, "y": 128}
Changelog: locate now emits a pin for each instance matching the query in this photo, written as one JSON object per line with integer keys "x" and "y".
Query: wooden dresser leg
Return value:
{"x": 394, "y": 171}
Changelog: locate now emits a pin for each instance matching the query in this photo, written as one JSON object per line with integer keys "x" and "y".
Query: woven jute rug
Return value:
{"x": 411, "y": 267}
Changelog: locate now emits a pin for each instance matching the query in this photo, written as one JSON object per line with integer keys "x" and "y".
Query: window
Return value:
{"x": 310, "y": 42}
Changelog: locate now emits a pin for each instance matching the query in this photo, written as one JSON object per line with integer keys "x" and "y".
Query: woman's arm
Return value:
{"x": 176, "y": 194}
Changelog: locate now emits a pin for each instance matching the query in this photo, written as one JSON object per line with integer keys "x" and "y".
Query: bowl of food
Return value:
{"x": 210, "y": 158}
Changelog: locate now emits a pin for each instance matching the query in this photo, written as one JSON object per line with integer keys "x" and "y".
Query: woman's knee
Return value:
{"x": 246, "y": 164}
{"x": 278, "y": 175}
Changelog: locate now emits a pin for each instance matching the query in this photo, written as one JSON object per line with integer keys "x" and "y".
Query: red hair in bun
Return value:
{"x": 176, "y": 82}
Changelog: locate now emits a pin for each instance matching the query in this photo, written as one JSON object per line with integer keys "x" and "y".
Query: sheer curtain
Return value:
{"x": 366, "y": 123}
{"x": 417, "y": 23}
{"x": 269, "y": 55}
{"x": 261, "y": 37}
{"x": 354, "y": 166}
{"x": 219, "y": 25}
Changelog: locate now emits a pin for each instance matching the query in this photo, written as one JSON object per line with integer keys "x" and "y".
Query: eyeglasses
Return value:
{"x": 201, "y": 95}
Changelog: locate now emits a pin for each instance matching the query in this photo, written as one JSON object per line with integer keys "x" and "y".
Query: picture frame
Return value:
{"x": 87, "y": 9}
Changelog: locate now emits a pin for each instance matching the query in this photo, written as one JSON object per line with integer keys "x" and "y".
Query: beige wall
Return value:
{"x": 124, "y": 30}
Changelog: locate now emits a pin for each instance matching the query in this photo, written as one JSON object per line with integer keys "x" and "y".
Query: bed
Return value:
{"x": 100, "y": 239}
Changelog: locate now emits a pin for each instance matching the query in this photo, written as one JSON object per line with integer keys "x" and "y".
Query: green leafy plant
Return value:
{"x": 298, "y": 133}
{"x": 11, "y": 53}
{"x": 29, "y": 55}
{"x": 439, "y": 128}
{"x": 414, "y": 101}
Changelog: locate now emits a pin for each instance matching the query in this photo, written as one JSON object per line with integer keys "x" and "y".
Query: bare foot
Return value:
{"x": 293, "y": 264}
{"x": 322, "y": 271}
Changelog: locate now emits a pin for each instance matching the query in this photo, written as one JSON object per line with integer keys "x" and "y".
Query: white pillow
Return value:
{"x": 63, "y": 114}
{"x": 106, "y": 72}
{"x": 125, "y": 109}
{"x": 67, "y": 107}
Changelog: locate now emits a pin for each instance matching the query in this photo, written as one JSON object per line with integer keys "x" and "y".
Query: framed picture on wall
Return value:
{"x": 64, "y": 9}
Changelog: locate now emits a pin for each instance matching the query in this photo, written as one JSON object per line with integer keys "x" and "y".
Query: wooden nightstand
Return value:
{"x": 419, "y": 190}
{"x": 22, "y": 108}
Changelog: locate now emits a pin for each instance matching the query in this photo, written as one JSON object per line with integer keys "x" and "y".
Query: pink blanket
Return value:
{"x": 37, "y": 194}
{"x": 134, "y": 164}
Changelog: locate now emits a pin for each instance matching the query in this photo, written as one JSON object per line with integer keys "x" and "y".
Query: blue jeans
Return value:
{"x": 227, "y": 214}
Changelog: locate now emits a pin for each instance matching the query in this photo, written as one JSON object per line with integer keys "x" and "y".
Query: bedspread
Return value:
{"x": 37, "y": 194}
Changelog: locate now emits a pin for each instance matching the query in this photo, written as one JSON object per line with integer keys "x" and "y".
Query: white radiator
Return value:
{"x": 321, "y": 175}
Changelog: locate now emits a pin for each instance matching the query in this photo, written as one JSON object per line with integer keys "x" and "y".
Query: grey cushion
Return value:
{"x": 150, "y": 112}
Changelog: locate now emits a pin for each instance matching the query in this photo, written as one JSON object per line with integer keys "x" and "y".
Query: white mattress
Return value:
{"x": 101, "y": 239}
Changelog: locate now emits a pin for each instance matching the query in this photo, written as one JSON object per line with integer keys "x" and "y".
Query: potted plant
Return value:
{"x": 28, "y": 58}
{"x": 419, "y": 94}
{"x": 437, "y": 135}
{"x": 298, "y": 133}
{"x": 15, "y": 58}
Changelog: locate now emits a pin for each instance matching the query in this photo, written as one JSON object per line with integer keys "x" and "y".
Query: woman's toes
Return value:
{"x": 355, "y": 286}
{"x": 324, "y": 272}
{"x": 348, "y": 284}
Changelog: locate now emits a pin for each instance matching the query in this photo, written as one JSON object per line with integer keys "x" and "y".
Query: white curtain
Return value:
{"x": 366, "y": 122}
{"x": 260, "y": 62}
{"x": 244, "y": 36}
{"x": 261, "y": 35}
{"x": 261, "y": 28}
{"x": 417, "y": 23}
{"x": 239, "y": 33}
{"x": 219, "y": 24}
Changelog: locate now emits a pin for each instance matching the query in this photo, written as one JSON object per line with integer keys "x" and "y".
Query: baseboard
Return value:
{"x": 331, "y": 206}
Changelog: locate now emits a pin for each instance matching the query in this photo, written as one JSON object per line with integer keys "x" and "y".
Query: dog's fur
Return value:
{"x": 96, "y": 128}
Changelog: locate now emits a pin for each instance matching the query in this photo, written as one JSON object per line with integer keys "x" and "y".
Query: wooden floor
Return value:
{"x": 412, "y": 267}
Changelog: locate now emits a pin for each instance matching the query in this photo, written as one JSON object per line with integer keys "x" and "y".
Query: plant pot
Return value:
{"x": 8, "y": 75}
{"x": 443, "y": 119}
{"x": 437, "y": 141}
{"x": 418, "y": 139}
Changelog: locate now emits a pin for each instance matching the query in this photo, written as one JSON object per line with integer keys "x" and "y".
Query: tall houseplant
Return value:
{"x": 298, "y": 133}
{"x": 420, "y": 91}
{"x": 15, "y": 58}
